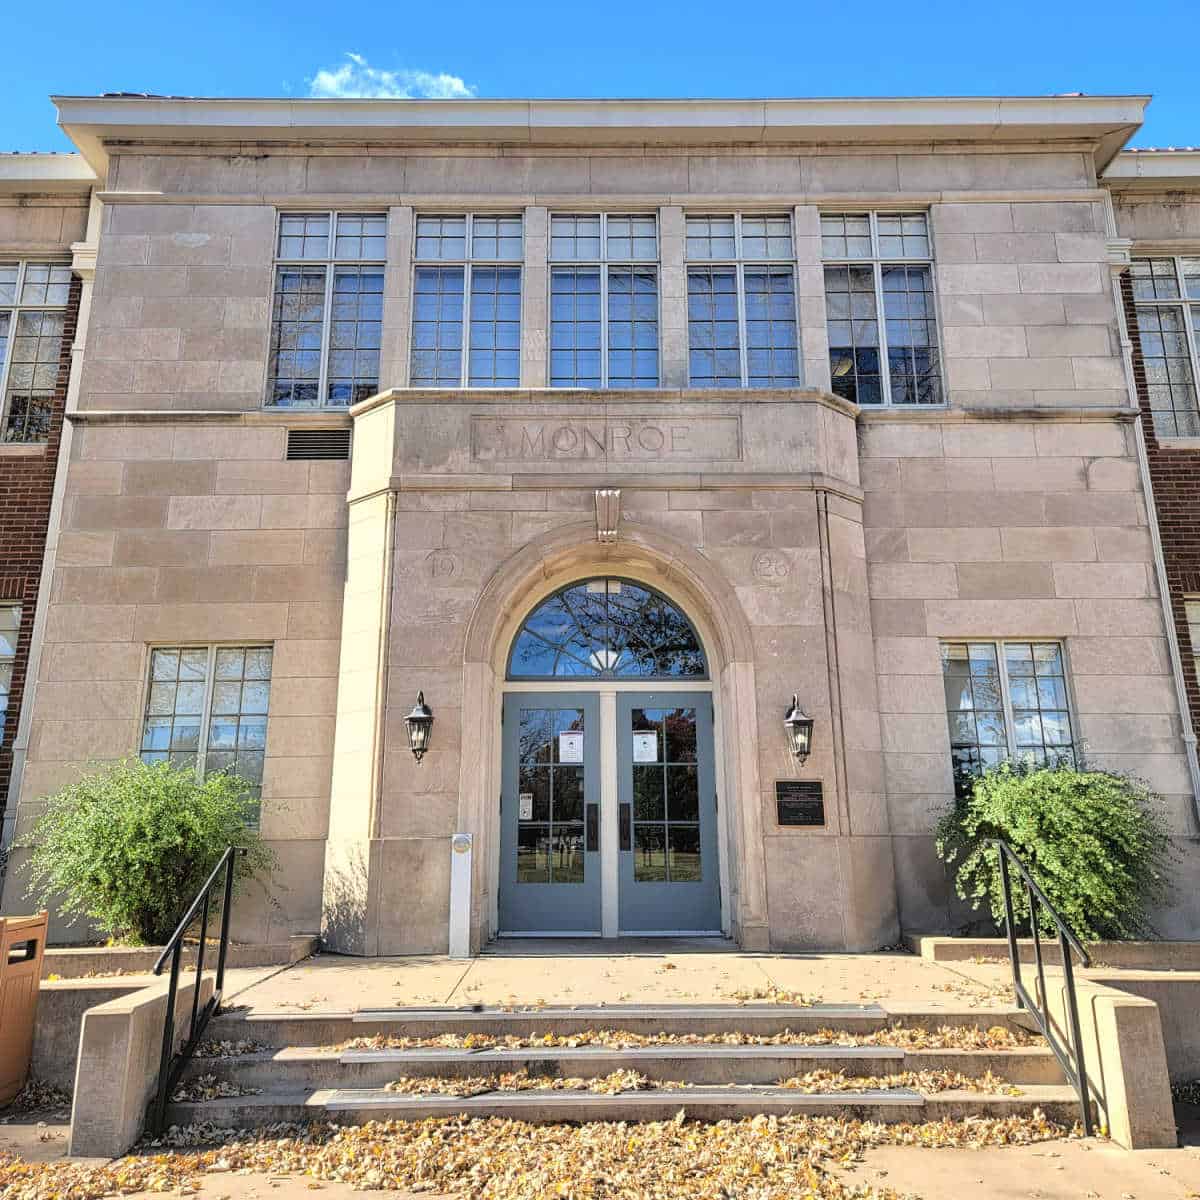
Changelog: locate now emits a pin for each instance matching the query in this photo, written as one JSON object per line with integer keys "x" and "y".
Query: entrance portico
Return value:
{"x": 739, "y": 511}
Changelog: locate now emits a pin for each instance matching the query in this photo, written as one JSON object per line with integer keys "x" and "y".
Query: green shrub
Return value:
{"x": 130, "y": 846}
{"x": 1091, "y": 839}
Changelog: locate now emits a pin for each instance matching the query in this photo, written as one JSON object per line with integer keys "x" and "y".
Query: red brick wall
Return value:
{"x": 1175, "y": 477}
{"x": 26, "y": 489}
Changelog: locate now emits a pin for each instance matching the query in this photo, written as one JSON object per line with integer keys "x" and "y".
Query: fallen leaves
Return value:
{"x": 209, "y": 1087}
{"x": 35, "y": 1097}
{"x": 998, "y": 1037}
{"x": 616, "y": 1082}
{"x": 759, "y": 1158}
{"x": 774, "y": 995}
{"x": 926, "y": 1082}
{"x": 229, "y": 1049}
{"x": 612, "y": 1084}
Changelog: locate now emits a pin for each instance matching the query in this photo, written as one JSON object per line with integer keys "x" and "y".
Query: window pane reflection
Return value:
{"x": 608, "y": 628}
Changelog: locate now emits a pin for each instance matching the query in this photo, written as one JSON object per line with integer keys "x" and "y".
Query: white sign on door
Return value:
{"x": 570, "y": 747}
{"x": 525, "y": 806}
{"x": 645, "y": 747}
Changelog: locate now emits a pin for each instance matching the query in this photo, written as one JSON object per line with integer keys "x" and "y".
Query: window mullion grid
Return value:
{"x": 327, "y": 322}
{"x": 210, "y": 676}
{"x": 11, "y": 348}
{"x": 603, "y": 303}
{"x": 740, "y": 284}
{"x": 1010, "y": 728}
{"x": 885, "y": 371}
{"x": 1191, "y": 334}
{"x": 464, "y": 341}
{"x": 6, "y": 368}
{"x": 464, "y": 374}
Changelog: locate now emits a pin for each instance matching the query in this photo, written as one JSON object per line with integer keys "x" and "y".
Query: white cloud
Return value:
{"x": 357, "y": 78}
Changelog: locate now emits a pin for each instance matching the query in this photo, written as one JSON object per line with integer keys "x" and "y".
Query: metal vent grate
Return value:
{"x": 318, "y": 443}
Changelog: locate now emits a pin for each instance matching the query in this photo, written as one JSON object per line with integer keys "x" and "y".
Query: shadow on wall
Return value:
{"x": 344, "y": 909}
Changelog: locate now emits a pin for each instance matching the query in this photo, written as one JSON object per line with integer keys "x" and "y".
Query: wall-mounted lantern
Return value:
{"x": 419, "y": 723}
{"x": 799, "y": 730}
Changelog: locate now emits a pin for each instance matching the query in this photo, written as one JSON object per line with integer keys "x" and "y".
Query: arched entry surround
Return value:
{"x": 687, "y": 578}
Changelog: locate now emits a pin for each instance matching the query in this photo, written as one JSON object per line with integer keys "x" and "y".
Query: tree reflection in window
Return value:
{"x": 607, "y": 629}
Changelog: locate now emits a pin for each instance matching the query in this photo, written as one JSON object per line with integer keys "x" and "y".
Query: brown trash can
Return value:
{"x": 22, "y": 945}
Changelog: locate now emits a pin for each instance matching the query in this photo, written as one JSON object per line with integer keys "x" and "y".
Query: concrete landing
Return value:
{"x": 638, "y": 971}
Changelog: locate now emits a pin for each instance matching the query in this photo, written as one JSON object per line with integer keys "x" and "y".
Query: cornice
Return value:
{"x": 957, "y": 416}
{"x": 209, "y": 416}
{"x": 603, "y": 398}
{"x": 1104, "y": 122}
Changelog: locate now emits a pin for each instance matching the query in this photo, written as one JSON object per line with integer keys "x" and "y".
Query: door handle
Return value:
{"x": 625, "y": 821}
{"x": 592, "y": 836}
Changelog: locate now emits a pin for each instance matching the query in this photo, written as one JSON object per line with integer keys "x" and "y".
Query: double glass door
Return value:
{"x": 608, "y": 814}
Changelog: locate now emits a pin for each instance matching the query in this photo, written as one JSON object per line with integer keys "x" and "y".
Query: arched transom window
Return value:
{"x": 607, "y": 629}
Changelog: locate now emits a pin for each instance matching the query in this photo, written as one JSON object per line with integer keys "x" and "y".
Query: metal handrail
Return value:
{"x": 1075, "y": 1070}
{"x": 171, "y": 1064}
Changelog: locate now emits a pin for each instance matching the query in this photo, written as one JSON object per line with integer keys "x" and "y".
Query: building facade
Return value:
{"x": 607, "y": 428}
{"x": 44, "y": 206}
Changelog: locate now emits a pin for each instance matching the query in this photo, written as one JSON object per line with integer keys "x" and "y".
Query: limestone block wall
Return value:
{"x": 1026, "y": 304}
{"x": 188, "y": 534}
{"x": 985, "y": 528}
{"x": 182, "y": 307}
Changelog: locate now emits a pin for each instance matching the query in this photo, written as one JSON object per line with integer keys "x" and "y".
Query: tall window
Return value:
{"x": 604, "y": 301}
{"x": 1166, "y": 292}
{"x": 1005, "y": 700}
{"x": 206, "y": 707}
{"x": 327, "y": 314}
{"x": 742, "y": 302}
{"x": 466, "y": 304}
{"x": 881, "y": 263}
{"x": 10, "y": 625}
{"x": 33, "y": 296}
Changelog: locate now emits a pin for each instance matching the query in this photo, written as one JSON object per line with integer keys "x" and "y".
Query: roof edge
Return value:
{"x": 39, "y": 173}
{"x": 1160, "y": 168}
{"x": 1107, "y": 122}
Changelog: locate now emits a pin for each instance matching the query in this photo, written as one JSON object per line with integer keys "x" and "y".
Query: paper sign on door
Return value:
{"x": 570, "y": 747}
{"x": 525, "y": 806}
{"x": 645, "y": 747}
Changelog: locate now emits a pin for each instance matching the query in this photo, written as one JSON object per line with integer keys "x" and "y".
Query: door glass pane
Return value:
{"x": 683, "y": 794}
{"x": 666, "y": 795}
{"x": 648, "y": 797}
{"x": 683, "y": 853}
{"x": 550, "y": 785}
{"x": 566, "y": 848}
{"x": 533, "y": 845}
{"x": 649, "y": 858}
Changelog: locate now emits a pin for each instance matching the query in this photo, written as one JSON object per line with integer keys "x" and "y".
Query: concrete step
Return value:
{"x": 330, "y": 1028}
{"x": 300, "y": 1066}
{"x": 705, "y": 1103}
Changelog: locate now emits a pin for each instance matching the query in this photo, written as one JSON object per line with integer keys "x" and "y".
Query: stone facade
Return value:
{"x": 820, "y": 548}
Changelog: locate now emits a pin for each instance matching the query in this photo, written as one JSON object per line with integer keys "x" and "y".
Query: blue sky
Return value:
{"x": 615, "y": 48}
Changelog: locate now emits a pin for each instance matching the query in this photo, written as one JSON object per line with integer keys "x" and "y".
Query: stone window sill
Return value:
{"x": 1179, "y": 443}
{"x": 23, "y": 450}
